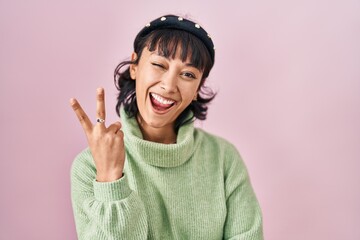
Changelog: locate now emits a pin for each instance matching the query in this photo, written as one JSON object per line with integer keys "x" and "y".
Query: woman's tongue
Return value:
{"x": 158, "y": 105}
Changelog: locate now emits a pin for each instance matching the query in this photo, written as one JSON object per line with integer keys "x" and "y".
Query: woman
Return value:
{"x": 155, "y": 176}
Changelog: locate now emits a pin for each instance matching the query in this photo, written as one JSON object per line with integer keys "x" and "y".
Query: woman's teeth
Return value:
{"x": 161, "y": 99}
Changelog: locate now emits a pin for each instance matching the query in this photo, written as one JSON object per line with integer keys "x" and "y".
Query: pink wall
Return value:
{"x": 288, "y": 76}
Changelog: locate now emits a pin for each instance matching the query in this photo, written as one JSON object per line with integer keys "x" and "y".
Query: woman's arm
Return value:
{"x": 104, "y": 210}
{"x": 104, "y": 206}
{"x": 244, "y": 217}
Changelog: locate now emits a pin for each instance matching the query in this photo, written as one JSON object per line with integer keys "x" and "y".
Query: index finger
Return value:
{"x": 83, "y": 118}
{"x": 100, "y": 103}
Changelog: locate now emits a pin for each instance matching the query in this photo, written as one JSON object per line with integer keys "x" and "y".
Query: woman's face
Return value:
{"x": 164, "y": 87}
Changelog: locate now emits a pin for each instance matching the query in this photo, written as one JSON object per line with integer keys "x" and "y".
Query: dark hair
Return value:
{"x": 166, "y": 42}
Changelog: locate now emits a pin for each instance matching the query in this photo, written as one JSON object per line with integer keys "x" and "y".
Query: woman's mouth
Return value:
{"x": 160, "y": 103}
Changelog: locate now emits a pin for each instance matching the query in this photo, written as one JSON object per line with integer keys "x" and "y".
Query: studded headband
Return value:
{"x": 176, "y": 22}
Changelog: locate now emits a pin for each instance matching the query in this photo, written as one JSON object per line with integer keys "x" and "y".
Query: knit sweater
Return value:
{"x": 198, "y": 188}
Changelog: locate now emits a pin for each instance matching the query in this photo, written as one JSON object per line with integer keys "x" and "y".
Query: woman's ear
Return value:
{"x": 133, "y": 67}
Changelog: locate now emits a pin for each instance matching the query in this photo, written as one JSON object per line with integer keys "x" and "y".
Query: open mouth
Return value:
{"x": 160, "y": 103}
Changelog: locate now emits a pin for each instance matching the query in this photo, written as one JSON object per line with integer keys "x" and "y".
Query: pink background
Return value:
{"x": 288, "y": 77}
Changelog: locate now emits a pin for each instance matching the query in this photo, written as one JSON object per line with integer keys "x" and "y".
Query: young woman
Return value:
{"x": 155, "y": 176}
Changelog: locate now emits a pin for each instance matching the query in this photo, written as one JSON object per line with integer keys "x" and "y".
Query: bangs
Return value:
{"x": 172, "y": 43}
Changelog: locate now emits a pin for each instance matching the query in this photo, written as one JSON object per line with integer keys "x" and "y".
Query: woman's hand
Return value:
{"x": 106, "y": 144}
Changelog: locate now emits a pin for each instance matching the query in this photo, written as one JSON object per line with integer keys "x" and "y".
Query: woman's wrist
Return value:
{"x": 109, "y": 177}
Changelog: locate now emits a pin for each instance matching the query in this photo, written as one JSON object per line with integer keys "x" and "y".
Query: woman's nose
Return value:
{"x": 169, "y": 82}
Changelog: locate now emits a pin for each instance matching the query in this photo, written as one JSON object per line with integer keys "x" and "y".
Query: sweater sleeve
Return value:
{"x": 108, "y": 210}
{"x": 244, "y": 217}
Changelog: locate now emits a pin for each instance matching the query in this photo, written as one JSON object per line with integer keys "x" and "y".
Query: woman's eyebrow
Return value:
{"x": 159, "y": 55}
{"x": 190, "y": 64}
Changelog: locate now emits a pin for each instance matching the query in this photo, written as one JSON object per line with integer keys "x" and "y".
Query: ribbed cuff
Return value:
{"x": 112, "y": 191}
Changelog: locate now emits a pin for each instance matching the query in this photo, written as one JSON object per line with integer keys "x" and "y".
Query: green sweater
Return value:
{"x": 198, "y": 188}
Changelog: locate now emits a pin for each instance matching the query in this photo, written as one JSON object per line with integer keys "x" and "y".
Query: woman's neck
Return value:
{"x": 164, "y": 134}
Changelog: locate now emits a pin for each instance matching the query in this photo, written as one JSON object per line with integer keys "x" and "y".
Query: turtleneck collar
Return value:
{"x": 158, "y": 154}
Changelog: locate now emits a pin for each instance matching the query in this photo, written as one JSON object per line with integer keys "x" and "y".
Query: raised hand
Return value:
{"x": 106, "y": 144}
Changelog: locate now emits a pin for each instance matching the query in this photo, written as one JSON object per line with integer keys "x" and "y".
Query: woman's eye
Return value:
{"x": 189, "y": 75}
{"x": 158, "y": 65}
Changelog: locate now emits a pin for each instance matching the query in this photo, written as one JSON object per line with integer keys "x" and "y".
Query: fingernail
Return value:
{"x": 100, "y": 90}
{"x": 72, "y": 101}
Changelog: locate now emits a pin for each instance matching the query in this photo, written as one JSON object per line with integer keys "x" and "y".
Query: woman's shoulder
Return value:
{"x": 225, "y": 152}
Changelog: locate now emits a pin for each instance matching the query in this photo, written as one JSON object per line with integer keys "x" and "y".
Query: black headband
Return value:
{"x": 176, "y": 22}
